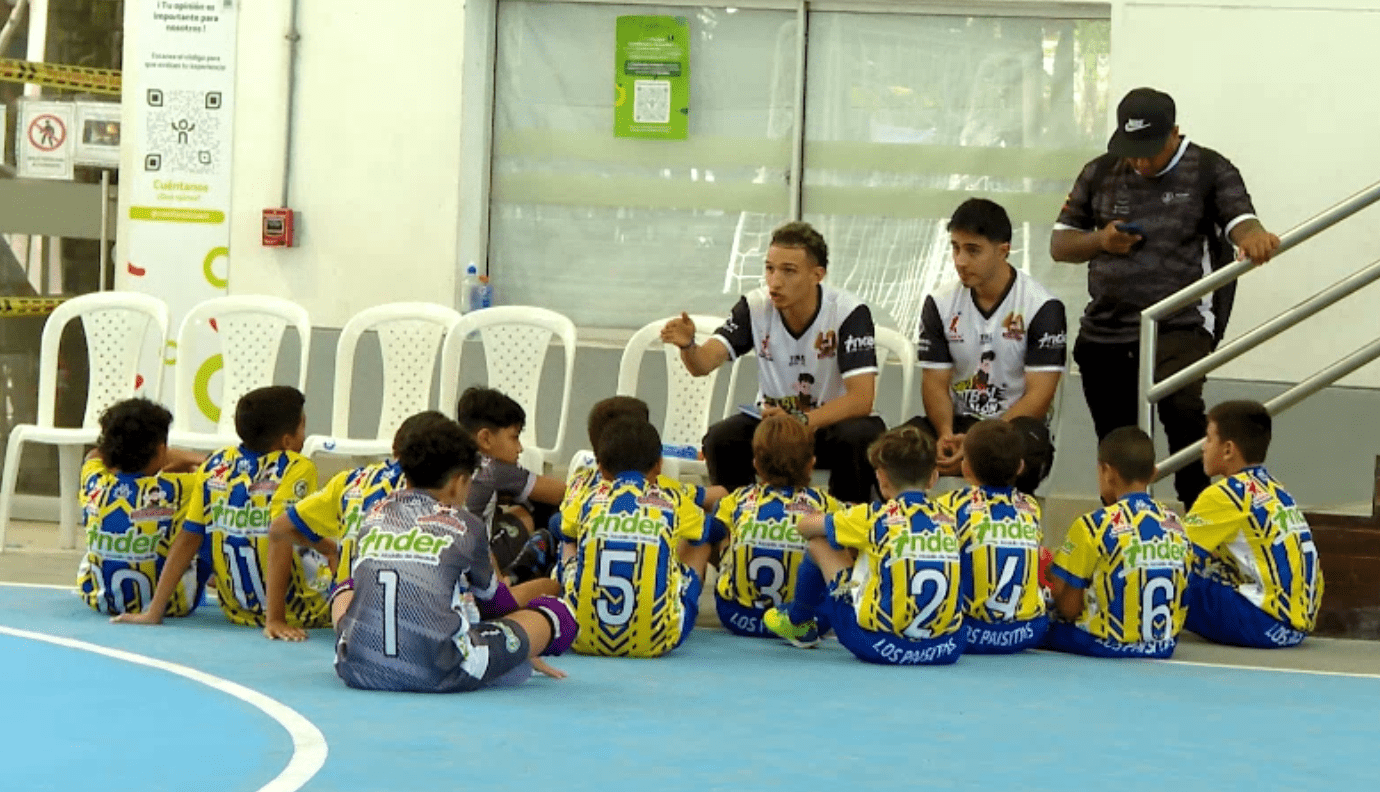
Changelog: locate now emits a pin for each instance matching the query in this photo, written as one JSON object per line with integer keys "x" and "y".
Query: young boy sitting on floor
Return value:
{"x": 763, "y": 557}
{"x": 1120, "y": 576}
{"x": 584, "y": 469}
{"x": 1256, "y": 578}
{"x": 502, "y": 490}
{"x": 241, "y": 491}
{"x": 133, "y": 502}
{"x": 425, "y": 611}
{"x": 636, "y": 551}
{"x": 898, "y": 604}
{"x": 335, "y": 513}
{"x": 999, "y": 534}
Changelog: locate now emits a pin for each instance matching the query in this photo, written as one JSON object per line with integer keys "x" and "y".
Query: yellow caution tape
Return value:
{"x": 29, "y": 306}
{"x": 54, "y": 75}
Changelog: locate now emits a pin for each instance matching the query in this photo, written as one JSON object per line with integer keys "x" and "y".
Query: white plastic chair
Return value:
{"x": 117, "y": 325}
{"x": 410, "y": 336}
{"x": 688, "y": 398}
{"x": 900, "y": 346}
{"x": 515, "y": 339}
{"x": 249, "y": 330}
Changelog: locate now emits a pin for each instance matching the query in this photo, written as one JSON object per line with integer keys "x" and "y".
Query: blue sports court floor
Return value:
{"x": 721, "y": 713}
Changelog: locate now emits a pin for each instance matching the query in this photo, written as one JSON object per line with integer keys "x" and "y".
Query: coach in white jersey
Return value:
{"x": 991, "y": 346}
{"x": 816, "y": 360}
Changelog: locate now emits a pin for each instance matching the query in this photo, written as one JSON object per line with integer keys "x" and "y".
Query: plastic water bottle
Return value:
{"x": 478, "y": 293}
{"x": 483, "y": 295}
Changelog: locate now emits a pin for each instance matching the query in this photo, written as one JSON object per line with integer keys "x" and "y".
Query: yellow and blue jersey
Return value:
{"x": 337, "y": 510}
{"x": 999, "y": 534}
{"x": 239, "y": 494}
{"x": 627, "y": 583}
{"x": 1131, "y": 559}
{"x": 130, "y": 521}
{"x": 584, "y": 476}
{"x": 907, "y": 578}
{"x": 759, "y": 567}
{"x": 1256, "y": 539}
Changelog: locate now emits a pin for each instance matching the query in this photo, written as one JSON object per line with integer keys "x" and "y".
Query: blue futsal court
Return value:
{"x": 721, "y": 713}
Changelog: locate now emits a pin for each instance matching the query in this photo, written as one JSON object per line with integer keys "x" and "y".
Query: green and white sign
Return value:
{"x": 652, "y": 78}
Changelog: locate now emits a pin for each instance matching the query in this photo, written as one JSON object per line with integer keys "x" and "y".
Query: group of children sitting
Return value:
{"x": 440, "y": 571}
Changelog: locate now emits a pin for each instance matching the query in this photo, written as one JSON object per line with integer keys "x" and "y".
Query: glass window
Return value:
{"x": 581, "y": 221}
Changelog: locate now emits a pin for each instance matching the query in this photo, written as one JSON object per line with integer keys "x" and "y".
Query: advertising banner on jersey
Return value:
{"x": 652, "y": 78}
{"x": 179, "y": 81}
{"x": 43, "y": 139}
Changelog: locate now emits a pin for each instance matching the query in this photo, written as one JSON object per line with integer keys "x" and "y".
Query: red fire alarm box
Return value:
{"x": 278, "y": 228}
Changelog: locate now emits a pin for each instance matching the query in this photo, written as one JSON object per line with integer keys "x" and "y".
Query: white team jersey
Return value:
{"x": 802, "y": 372}
{"x": 991, "y": 352}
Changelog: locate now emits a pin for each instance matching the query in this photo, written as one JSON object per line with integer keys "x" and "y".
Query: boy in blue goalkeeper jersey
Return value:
{"x": 898, "y": 603}
{"x": 999, "y": 533}
{"x": 426, "y": 612}
{"x": 239, "y": 493}
{"x": 1256, "y": 580}
{"x": 1120, "y": 576}
{"x": 134, "y": 496}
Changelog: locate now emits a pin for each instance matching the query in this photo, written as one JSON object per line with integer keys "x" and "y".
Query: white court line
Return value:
{"x": 308, "y": 743}
{"x": 1198, "y": 663}
{"x": 1308, "y": 671}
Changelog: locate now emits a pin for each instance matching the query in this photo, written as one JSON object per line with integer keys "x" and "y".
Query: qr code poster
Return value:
{"x": 652, "y": 78}
{"x": 183, "y": 132}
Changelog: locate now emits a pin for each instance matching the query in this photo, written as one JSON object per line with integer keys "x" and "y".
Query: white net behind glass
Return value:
{"x": 908, "y": 115}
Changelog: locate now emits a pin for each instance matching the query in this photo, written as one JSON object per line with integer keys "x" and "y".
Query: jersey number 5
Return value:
{"x": 611, "y": 583}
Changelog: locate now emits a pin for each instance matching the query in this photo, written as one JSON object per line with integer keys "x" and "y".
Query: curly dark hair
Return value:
{"x": 413, "y": 424}
{"x": 131, "y": 432}
{"x": 432, "y": 458}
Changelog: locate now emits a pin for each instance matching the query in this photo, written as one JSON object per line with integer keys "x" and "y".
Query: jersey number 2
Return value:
{"x": 918, "y": 582}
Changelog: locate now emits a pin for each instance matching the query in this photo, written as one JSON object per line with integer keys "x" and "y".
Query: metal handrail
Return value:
{"x": 1285, "y": 400}
{"x": 1150, "y": 392}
